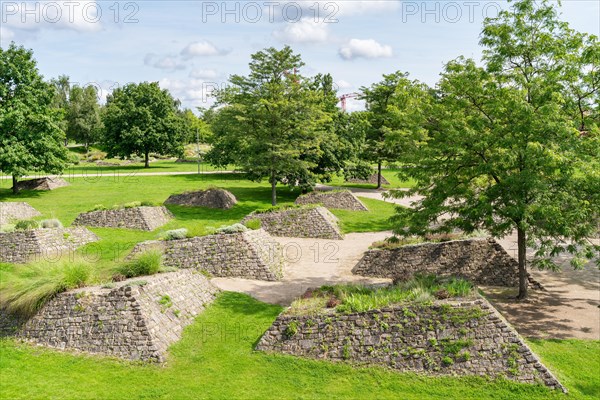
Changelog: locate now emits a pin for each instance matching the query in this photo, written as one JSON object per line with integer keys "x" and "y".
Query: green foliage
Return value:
{"x": 51, "y": 223}
{"x": 291, "y": 329}
{"x": 26, "y": 289}
{"x": 271, "y": 121}
{"x": 397, "y": 112}
{"x": 148, "y": 262}
{"x": 175, "y": 234}
{"x": 141, "y": 119}
{"x": 359, "y": 298}
{"x": 229, "y": 229}
{"x": 510, "y": 144}
{"x": 253, "y": 224}
{"x": 31, "y": 138}
{"x": 447, "y": 361}
{"x": 83, "y": 115}
{"x": 26, "y": 224}
{"x": 132, "y": 204}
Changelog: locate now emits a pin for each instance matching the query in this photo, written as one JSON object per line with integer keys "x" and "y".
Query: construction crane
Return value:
{"x": 345, "y": 97}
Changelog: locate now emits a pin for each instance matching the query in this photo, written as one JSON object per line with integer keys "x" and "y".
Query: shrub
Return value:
{"x": 26, "y": 224}
{"x": 447, "y": 361}
{"x": 99, "y": 207}
{"x": 235, "y": 228}
{"x": 148, "y": 262}
{"x": 26, "y": 289}
{"x": 253, "y": 224}
{"x": 147, "y": 203}
{"x": 133, "y": 204}
{"x": 51, "y": 223}
{"x": 175, "y": 234}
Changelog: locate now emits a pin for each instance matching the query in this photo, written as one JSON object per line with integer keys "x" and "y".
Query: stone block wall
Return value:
{"x": 36, "y": 244}
{"x": 482, "y": 261}
{"x": 144, "y": 218}
{"x": 137, "y": 319}
{"x": 251, "y": 254}
{"x": 344, "y": 200}
{"x": 446, "y": 338}
{"x": 13, "y": 211}
{"x": 312, "y": 222}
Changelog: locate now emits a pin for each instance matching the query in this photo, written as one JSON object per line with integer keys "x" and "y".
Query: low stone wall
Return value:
{"x": 446, "y": 338}
{"x": 313, "y": 222}
{"x": 13, "y": 211}
{"x": 482, "y": 261}
{"x": 137, "y": 319}
{"x": 36, "y": 244}
{"x": 344, "y": 200}
{"x": 144, "y": 218}
{"x": 372, "y": 180}
{"x": 251, "y": 254}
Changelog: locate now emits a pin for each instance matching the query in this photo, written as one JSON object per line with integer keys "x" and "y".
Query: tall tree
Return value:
{"x": 141, "y": 119}
{"x": 396, "y": 110}
{"x": 505, "y": 152}
{"x": 60, "y": 101}
{"x": 83, "y": 116}
{"x": 30, "y": 135}
{"x": 271, "y": 123}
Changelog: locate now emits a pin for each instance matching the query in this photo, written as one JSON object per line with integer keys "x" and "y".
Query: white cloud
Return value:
{"x": 306, "y": 30}
{"x": 364, "y": 48}
{"x": 191, "y": 92}
{"x": 342, "y": 84}
{"x": 201, "y": 48}
{"x": 167, "y": 62}
{"x": 353, "y": 7}
{"x": 203, "y": 73}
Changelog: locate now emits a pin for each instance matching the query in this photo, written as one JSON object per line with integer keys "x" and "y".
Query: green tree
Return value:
{"x": 271, "y": 121}
{"x": 83, "y": 117}
{"x": 397, "y": 109}
{"x": 60, "y": 100}
{"x": 30, "y": 135}
{"x": 505, "y": 152}
{"x": 195, "y": 127}
{"x": 141, "y": 119}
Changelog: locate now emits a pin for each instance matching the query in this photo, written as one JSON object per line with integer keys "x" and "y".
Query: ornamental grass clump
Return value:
{"x": 24, "y": 290}
{"x": 421, "y": 289}
{"x": 148, "y": 262}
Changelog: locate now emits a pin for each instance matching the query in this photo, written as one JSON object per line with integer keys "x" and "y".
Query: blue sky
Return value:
{"x": 193, "y": 46}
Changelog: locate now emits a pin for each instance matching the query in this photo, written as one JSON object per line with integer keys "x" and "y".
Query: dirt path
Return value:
{"x": 310, "y": 263}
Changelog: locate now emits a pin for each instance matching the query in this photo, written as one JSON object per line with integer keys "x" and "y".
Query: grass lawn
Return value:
{"x": 215, "y": 359}
{"x": 84, "y": 193}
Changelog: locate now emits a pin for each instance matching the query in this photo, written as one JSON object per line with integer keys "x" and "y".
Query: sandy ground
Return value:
{"x": 310, "y": 263}
{"x": 569, "y": 307}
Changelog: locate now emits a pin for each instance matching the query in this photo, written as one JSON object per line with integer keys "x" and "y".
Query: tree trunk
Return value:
{"x": 15, "y": 190}
{"x": 379, "y": 175}
{"x": 273, "y": 189}
{"x": 521, "y": 244}
{"x": 146, "y": 160}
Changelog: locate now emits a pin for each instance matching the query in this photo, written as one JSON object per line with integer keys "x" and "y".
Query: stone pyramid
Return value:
{"x": 337, "y": 199}
{"x": 144, "y": 218}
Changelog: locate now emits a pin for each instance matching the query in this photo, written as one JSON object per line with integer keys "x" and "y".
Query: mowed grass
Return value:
{"x": 215, "y": 360}
{"x": 85, "y": 193}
